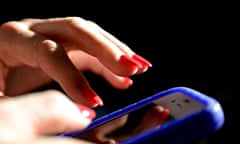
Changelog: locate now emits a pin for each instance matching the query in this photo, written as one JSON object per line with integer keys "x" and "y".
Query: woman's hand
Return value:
{"x": 37, "y": 118}
{"x": 33, "y": 52}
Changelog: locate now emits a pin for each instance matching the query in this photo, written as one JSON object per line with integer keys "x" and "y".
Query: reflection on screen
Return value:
{"x": 151, "y": 116}
{"x": 136, "y": 122}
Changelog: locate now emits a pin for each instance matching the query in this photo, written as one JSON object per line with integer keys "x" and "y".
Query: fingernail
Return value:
{"x": 164, "y": 115}
{"x": 92, "y": 97}
{"x": 130, "y": 62}
{"x": 128, "y": 81}
{"x": 142, "y": 60}
{"x": 86, "y": 112}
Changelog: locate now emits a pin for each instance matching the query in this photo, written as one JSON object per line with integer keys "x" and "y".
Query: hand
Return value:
{"x": 33, "y": 52}
{"x": 36, "y": 118}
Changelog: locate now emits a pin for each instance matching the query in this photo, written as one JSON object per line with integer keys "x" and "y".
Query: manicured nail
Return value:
{"x": 128, "y": 81}
{"x": 164, "y": 115}
{"x": 86, "y": 112}
{"x": 130, "y": 62}
{"x": 142, "y": 60}
{"x": 92, "y": 97}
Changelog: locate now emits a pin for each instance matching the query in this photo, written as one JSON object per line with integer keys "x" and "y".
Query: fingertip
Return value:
{"x": 126, "y": 82}
{"x": 92, "y": 97}
{"x": 143, "y": 61}
{"x": 131, "y": 64}
{"x": 135, "y": 63}
{"x": 145, "y": 64}
{"x": 86, "y": 112}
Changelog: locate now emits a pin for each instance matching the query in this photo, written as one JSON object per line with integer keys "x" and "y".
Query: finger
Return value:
{"x": 48, "y": 112}
{"x": 99, "y": 134}
{"x": 30, "y": 78}
{"x": 90, "y": 40}
{"x": 107, "y": 128}
{"x": 40, "y": 52}
{"x": 61, "y": 69}
{"x": 144, "y": 63}
{"x": 153, "y": 118}
{"x": 91, "y": 63}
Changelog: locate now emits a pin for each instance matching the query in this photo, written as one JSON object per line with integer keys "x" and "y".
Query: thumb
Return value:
{"x": 42, "y": 113}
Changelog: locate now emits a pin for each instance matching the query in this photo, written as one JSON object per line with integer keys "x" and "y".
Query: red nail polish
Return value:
{"x": 128, "y": 81}
{"x": 92, "y": 97}
{"x": 130, "y": 62}
{"x": 164, "y": 116}
{"x": 96, "y": 99}
{"x": 142, "y": 60}
{"x": 86, "y": 112}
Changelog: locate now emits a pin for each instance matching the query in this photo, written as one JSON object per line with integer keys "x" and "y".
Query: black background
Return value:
{"x": 189, "y": 44}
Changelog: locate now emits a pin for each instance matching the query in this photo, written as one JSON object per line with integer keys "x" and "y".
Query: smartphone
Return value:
{"x": 191, "y": 116}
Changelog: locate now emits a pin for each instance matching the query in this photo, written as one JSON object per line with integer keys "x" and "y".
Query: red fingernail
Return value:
{"x": 128, "y": 81}
{"x": 142, "y": 60}
{"x": 92, "y": 97}
{"x": 130, "y": 62}
{"x": 164, "y": 116}
{"x": 86, "y": 112}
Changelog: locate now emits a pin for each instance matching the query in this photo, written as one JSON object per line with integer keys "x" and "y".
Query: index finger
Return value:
{"x": 77, "y": 32}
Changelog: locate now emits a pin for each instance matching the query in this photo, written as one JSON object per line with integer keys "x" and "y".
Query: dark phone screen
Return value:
{"x": 150, "y": 116}
{"x": 133, "y": 123}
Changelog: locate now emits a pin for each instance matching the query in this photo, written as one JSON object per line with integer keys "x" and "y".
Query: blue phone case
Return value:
{"x": 179, "y": 131}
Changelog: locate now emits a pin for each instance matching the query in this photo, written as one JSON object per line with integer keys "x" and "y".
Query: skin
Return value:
{"x": 35, "y": 52}
{"x": 33, "y": 117}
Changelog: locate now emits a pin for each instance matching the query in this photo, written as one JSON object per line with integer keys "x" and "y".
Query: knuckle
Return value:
{"x": 47, "y": 46}
{"x": 47, "y": 50}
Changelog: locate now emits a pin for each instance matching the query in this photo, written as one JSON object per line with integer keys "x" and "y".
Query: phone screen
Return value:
{"x": 156, "y": 114}
{"x": 179, "y": 104}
